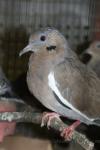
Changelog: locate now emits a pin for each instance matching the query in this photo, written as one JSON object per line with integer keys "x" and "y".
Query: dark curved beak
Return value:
{"x": 33, "y": 47}
{"x": 26, "y": 49}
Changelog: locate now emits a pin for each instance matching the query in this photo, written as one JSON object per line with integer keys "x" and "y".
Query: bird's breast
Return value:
{"x": 37, "y": 81}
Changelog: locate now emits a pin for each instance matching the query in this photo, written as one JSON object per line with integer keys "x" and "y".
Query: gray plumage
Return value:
{"x": 59, "y": 80}
{"x": 6, "y": 91}
{"x": 5, "y": 85}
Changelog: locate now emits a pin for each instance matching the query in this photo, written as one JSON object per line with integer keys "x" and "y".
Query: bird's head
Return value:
{"x": 49, "y": 42}
{"x": 94, "y": 48}
{"x": 92, "y": 53}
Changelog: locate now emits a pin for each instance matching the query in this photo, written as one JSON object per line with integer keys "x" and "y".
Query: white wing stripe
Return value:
{"x": 52, "y": 84}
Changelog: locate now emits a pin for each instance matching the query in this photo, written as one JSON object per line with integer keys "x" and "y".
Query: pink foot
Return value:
{"x": 67, "y": 133}
{"x": 48, "y": 117}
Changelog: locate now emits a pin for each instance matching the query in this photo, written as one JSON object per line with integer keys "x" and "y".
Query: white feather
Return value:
{"x": 52, "y": 84}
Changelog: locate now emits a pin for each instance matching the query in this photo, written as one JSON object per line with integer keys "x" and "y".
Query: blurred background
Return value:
{"x": 78, "y": 20}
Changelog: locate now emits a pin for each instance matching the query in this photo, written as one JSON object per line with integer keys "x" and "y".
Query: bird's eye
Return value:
{"x": 42, "y": 38}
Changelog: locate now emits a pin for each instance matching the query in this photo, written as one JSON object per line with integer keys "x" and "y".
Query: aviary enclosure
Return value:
{"x": 78, "y": 20}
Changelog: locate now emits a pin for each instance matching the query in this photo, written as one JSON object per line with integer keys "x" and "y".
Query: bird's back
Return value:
{"x": 80, "y": 86}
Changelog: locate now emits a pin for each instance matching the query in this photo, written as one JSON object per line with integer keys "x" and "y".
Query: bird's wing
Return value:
{"x": 69, "y": 82}
{"x": 5, "y": 85}
{"x": 6, "y": 90}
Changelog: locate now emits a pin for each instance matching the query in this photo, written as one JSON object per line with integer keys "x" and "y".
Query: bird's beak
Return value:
{"x": 33, "y": 47}
{"x": 26, "y": 49}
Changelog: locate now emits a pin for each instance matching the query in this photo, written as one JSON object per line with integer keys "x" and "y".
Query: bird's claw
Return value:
{"x": 67, "y": 133}
{"x": 47, "y": 117}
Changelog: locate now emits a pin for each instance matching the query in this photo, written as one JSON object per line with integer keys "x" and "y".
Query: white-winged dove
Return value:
{"x": 60, "y": 81}
{"x": 93, "y": 53}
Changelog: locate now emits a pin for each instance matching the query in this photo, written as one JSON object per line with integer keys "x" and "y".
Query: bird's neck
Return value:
{"x": 45, "y": 62}
{"x": 45, "y": 65}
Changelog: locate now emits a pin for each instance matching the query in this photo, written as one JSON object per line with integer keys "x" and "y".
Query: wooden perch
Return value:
{"x": 56, "y": 124}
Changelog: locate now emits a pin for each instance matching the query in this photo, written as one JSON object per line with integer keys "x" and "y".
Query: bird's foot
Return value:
{"x": 67, "y": 133}
{"x": 48, "y": 117}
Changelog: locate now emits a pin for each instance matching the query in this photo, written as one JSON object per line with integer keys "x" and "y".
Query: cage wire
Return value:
{"x": 19, "y": 18}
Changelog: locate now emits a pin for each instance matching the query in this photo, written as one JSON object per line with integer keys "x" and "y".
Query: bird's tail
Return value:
{"x": 96, "y": 122}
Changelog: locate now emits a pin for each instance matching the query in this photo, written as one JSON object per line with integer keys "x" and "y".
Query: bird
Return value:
{"x": 7, "y": 105}
{"x": 91, "y": 57}
{"x": 61, "y": 82}
{"x": 5, "y": 85}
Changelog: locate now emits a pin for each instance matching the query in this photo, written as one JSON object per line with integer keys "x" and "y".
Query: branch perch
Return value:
{"x": 56, "y": 124}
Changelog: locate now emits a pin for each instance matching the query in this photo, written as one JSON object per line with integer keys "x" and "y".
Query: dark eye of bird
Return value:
{"x": 42, "y": 38}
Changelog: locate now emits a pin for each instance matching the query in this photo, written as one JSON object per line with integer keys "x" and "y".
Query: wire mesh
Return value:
{"x": 19, "y": 18}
